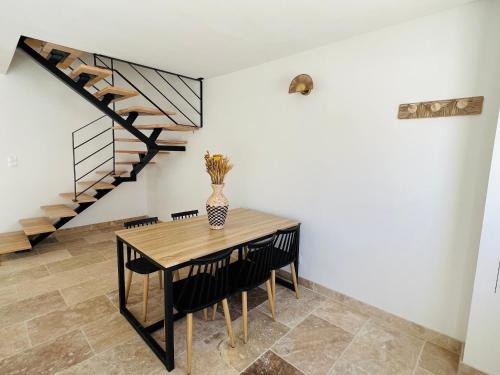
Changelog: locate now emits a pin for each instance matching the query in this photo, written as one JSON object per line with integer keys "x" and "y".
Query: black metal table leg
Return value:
{"x": 121, "y": 274}
{"x": 169, "y": 318}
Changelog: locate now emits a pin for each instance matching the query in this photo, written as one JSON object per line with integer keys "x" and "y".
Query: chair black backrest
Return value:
{"x": 184, "y": 215}
{"x": 141, "y": 222}
{"x": 207, "y": 282}
{"x": 135, "y": 224}
{"x": 257, "y": 264}
{"x": 286, "y": 240}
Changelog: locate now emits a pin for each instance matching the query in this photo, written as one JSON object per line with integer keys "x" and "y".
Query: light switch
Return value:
{"x": 12, "y": 161}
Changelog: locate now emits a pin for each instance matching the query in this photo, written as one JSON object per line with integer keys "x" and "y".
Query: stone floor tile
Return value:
{"x": 14, "y": 339}
{"x": 133, "y": 357}
{"x": 58, "y": 322}
{"x": 74, "y": 262}
{"x": 271, "y": 364}
{"x": 313, "y": 346}
{"x": 109, "y": 331}
{"x": 421, "y": 371}
{"x": 289, "y": 309}
{"x": 50, "y": 283}
{"x": 207, "y": 359}
{"x": 89, "y": 289}
{"x": 30, "y": 308}
{"x": 439, "y": 361}
{"x": 263, "y": 332}
{"x": 8, "y": 295}
{"x": 28, "y": 274}
{"x": 340, "y": 315}
{"x": 63, "y": 352}
{"x": 380, "y": 351}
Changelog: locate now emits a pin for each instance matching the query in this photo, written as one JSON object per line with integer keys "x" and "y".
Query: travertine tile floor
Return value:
{"x": 58, "y": 315}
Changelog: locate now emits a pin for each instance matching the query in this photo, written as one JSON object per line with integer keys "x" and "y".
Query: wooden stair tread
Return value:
{"x": 58, "y": 210}
{"x": 98, "y": 73}
{"x": 137, "y": 152}
{"x": 131, "y": 162}
{"x": 146, "y": 111}
{"x": 169, "y": 127}
{"x": 83, "y": 198}
{"x": 73, "y": 54}
{"x": 37, "y": 225}
{"x": 119, "y": 93}
{"x": 13, "y": 241}
{"x": 98, "y": 185}
{"x": 111, "y": 174}
{"x": 158, "y": 141}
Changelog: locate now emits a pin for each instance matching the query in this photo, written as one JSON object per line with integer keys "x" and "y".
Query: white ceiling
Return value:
{"x": 200, "y": 38}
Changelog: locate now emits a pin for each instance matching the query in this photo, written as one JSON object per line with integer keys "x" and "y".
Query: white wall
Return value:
{"x": 38, "y": 114}
{"x": 391, "y": 209}
{"x": 482, "y": 349}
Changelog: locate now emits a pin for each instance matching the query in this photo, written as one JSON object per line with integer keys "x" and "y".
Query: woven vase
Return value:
{"x": 217, "y": 206}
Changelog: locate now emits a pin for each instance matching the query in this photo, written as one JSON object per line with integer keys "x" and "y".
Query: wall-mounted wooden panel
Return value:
{"x": 442, "y": 108}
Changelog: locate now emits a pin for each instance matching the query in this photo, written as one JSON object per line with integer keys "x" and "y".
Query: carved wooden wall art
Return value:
{"x": 442, "y": 108}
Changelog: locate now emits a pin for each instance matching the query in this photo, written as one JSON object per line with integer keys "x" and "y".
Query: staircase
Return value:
{"x": 95, "y": 83}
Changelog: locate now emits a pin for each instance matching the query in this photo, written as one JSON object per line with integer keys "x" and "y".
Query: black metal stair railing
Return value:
{"x": 98, "y": 151}
{"x": 185, "y": 96}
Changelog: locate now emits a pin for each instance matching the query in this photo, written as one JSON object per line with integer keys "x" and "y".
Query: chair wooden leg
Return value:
{"x": 160, "y": 279}
{"x": 273, "y": 284}
{"x": 294, "y": 279}
{"x": 244, "y": 309}
{"x": 145, "y": 298}
{"x": 189, "y": 342}
{"x": 270, "y": 299}
{"x": 205, "y": 314}
{"x": 214, "y": 311}
{"x": 229, "y": 326}
{"x": 177, "y": 275}
{"x": 129, "y": 283}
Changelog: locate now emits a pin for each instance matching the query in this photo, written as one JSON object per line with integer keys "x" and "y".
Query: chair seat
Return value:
{"x": 197, "y": 292}
{"x": 141, "y": 265}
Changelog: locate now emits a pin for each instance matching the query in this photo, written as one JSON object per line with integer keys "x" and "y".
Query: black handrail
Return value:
{"x": 138, "y": 90}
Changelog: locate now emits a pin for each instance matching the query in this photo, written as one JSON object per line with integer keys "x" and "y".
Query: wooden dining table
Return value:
{"x": 170, "y": 245}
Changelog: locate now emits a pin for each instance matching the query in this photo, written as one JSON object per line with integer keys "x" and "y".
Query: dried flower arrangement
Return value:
{"x": 218, "y": 166}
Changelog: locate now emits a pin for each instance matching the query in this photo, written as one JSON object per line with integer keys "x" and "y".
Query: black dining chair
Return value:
{"x": 285, "y": 252}
{"x": 184, "y": 215}
{"x": 206, "y": 284}
{"x": 138, "y": 264}
{"x": 252, "y": 270}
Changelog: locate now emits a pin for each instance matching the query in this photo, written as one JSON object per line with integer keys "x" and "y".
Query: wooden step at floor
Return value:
{"x": 58, "y": 211}
{"x": 95, "y": 74}
{"x": 69, "y": 54}
{"x": 98, "y": 185}
{"x": 169, "y": 127}
{"x": 143, "y": 111}
{"x": 13, "y": 241}
{"x": 138, "y": 152}
{"x": 131, "y": 162}
{"x": 37, "y": 225}
{"x": 117, "y": 92}
{"x": 82, "y": 198}
{"x": 116, "y": 173}
{"x": 158, "y": 141}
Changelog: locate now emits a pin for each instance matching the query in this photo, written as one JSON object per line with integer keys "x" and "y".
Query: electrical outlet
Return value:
{"x": 12, "y": 161}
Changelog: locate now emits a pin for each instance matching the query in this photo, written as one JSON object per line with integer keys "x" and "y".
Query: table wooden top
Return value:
{"x": 176, "y": 242}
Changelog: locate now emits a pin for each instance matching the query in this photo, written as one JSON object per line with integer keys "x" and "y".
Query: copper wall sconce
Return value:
{"x": 303, "y": 84}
